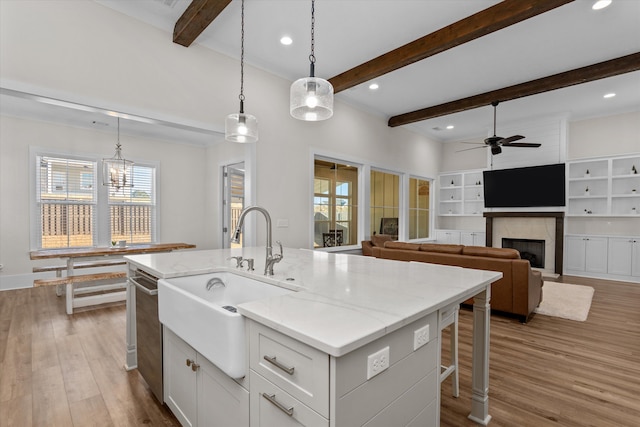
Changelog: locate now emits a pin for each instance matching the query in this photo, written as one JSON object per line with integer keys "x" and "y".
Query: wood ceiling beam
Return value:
{"x": 601, "y": 70}
{"x": 497, "y": 17}
{"x": 195, "y": 19}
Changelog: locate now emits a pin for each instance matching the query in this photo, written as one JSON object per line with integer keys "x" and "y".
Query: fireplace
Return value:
{"x": 540, "y": 225}
{"x": 530, "y": 249}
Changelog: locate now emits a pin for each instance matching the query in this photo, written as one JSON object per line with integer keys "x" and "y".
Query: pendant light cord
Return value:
{"x": 241, "y": 97}
{"x": 312, "y": 57}
{"x": 118, "y": 146}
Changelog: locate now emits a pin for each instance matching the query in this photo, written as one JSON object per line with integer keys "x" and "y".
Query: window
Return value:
{"x": 385, "y": 203}
{"x": 335, "y": 203}
{"x": 419, "y": 190}
{"x": 66, "y": 201}
{"x": 73, "y": 210}
{"x": 132, "y": 209}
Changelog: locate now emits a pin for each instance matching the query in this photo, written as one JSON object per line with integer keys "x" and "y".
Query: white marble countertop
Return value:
{"x": 342, "y": 301}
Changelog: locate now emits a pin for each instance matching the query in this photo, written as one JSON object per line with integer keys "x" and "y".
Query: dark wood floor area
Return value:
{"x": 59, "y": 370}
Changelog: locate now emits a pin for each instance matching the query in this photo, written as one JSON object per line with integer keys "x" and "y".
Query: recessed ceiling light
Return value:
{"x": 601, "y": 4}
{"x": 450, "y": 127}
{"x": 609, "y": 95}
{"x": 374, "y": 86}
{"x": 286, "y": 40}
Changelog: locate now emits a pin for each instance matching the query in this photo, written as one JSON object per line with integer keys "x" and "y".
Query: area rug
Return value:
{"x": 565, "y": 300}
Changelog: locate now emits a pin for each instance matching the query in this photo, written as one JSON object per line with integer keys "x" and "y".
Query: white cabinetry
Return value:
{"x": 289, "y": 380}
{"x": 604, "y": 187}
{"x": 461, "y": 237}
{"x": 461, "y": 194}
{"x": 606, "y": 257}
{"x": 451, "y": 237}
{"x": 586, "y": 254}
{"x": 624, "y": 256}
{"x": 473, "y": 238}
{"x": 197, "y": 392}
{"x": 293, "y": 384}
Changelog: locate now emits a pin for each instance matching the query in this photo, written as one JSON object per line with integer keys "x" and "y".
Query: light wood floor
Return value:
{"x": 59, "y": 370}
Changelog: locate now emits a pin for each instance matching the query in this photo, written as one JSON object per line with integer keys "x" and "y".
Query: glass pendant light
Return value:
{"x": 117, "y": 172}
{"x": 311, "y": 98}
{"x": 241, "y": 127}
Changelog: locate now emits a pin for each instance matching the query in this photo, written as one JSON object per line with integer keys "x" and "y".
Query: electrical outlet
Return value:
{"x": 377, "y": 362}
{"x": 420, "y": 337}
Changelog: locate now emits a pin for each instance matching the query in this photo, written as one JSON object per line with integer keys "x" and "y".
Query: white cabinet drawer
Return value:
{"x": 296, "y": 368}
{"x": 271, "y": 406}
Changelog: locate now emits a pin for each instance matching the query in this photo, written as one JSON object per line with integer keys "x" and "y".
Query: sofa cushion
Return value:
{"x": 380, "y": 239}
{"x": 441, "y": 248}
{"x": 402, "y": 245}
{"x": 506, "y": 253}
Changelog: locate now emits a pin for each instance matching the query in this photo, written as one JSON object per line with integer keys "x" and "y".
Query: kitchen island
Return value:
{"x": 346, "y": 308}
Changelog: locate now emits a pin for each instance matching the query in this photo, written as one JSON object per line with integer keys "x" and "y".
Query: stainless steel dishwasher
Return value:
{"x": 148, "y": 331}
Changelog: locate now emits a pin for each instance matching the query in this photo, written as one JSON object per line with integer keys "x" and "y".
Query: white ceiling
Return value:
{"x": 350, "y": 32}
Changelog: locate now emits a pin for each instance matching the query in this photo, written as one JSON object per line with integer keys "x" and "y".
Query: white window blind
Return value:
{"x": 66, "y": 199}
{"x": 132, "y": 210}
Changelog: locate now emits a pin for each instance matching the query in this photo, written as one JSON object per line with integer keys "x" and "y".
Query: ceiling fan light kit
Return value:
{"x": 311, "y": 98}
{"x": 241, "y": 127}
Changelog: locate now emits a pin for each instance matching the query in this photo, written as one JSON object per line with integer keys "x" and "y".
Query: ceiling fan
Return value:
{"x": 497, "y": 142}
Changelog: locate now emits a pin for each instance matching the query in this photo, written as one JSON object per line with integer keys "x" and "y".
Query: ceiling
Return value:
{"x": 351, "y": 32}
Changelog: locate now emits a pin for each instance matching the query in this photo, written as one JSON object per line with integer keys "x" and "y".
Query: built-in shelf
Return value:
{"x": 604, "y": 187}
{"x": 461, "y": 193}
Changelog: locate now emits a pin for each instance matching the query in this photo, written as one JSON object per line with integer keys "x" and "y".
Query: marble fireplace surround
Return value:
{"x": 530, "y": 225}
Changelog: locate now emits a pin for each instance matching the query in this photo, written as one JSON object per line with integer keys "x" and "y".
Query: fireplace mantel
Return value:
{"x": 559, "y": 217}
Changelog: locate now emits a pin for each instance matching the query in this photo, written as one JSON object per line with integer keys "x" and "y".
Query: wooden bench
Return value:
{"x": 60, "y": 268}
{"x": 72, "y": 289}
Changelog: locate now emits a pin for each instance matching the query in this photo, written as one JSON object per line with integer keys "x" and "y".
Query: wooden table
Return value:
{"x": 95, "y": 257}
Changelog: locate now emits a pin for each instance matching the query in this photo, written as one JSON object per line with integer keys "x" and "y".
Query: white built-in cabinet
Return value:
{"x": 473, "y": 238}
{"x": 607, "y": 257}
{"x": 461, "y": 194}
{"x": 461, "y": 237}
{"x": 196, "y": 391}
{"x": 450, "y": 237}
{"x": 604, "y": 187}
{"x": 586, "y": 253}
{"x": 624, "y": 256}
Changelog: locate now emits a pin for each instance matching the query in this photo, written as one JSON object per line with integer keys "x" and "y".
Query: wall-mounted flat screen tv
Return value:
{"x": 536, "y": 186}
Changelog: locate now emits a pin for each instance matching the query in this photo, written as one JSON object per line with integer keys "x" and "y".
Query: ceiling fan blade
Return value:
{"x": 507, "y": 141}
{"x": 523, "y": 144}
{"x": 469, "y": 142}
{"x": 472, "y": 148}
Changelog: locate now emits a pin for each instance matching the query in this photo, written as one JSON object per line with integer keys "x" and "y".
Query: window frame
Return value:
{"x": 364, "y": 202}
{"x": 401, "y": 198}
{"x": 430, "y": 209}
{"x": 101, "y": 233}
{"x": 359, "y": 199}
{"x": 333, "y": 196}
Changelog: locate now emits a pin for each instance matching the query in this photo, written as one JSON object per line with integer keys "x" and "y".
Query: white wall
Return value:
{"x": 83, "y": 52}
{"x": 604, "y": 136}
{"x": 182, "y": 178}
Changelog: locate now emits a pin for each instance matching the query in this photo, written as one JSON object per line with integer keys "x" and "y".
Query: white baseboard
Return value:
{"x": 16, "y": 281}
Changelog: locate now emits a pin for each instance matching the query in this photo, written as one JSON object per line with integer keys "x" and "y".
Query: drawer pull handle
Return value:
{"x": 272, "y": 398}
{"x": 273, "y": 361}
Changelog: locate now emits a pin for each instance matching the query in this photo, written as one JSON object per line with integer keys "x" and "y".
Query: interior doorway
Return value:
{"x": 233, "y": 201}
